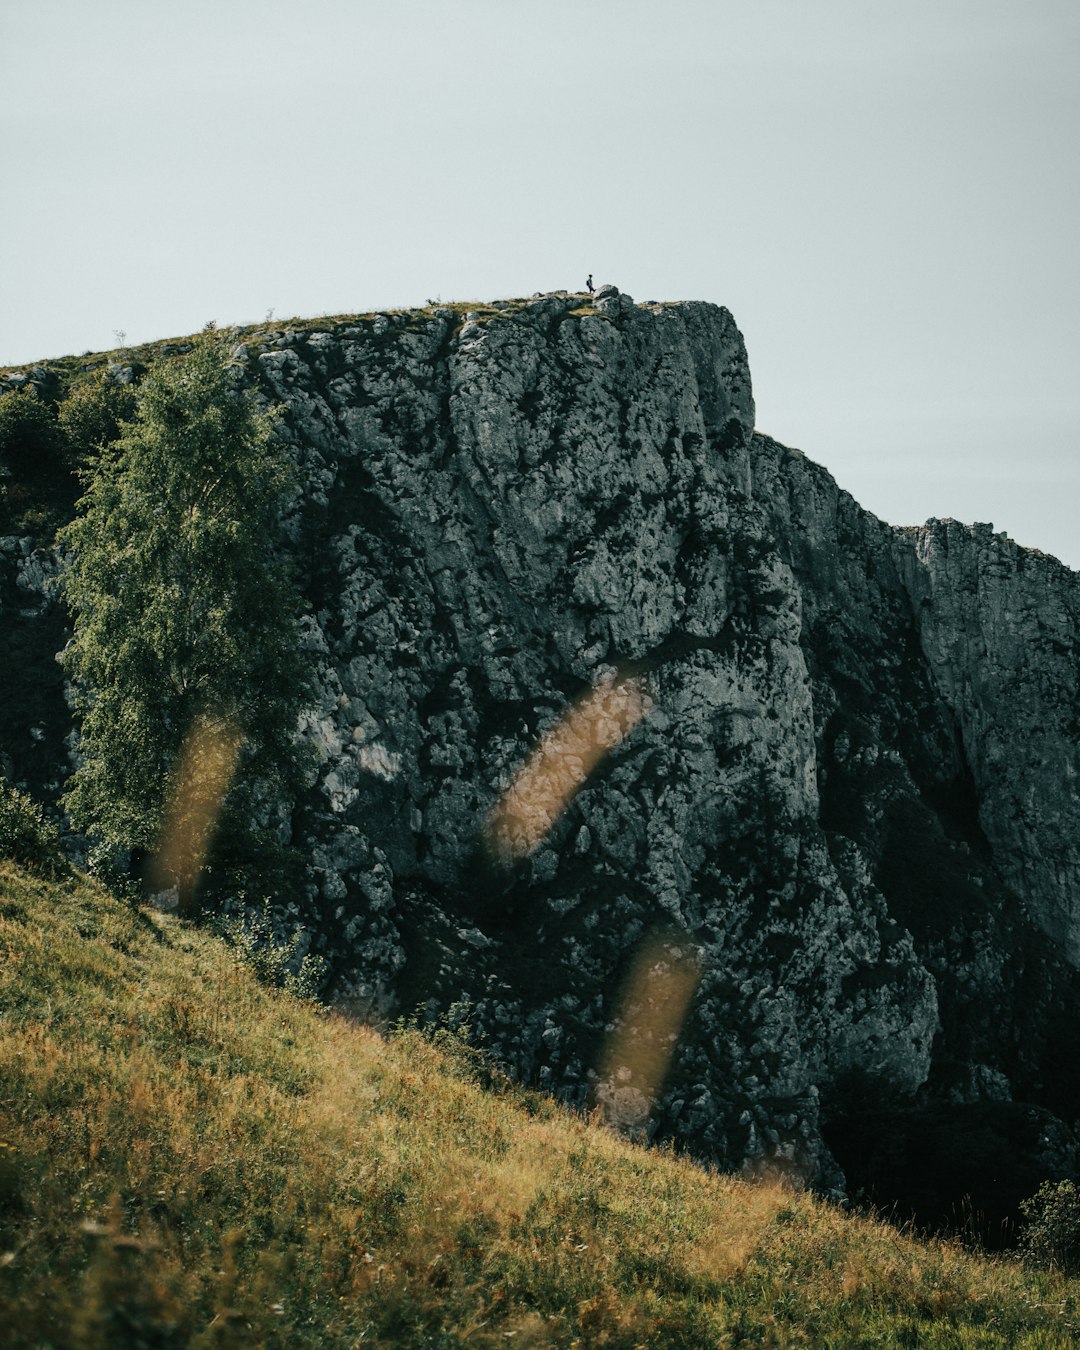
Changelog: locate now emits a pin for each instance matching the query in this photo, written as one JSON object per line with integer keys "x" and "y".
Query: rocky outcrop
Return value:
{"x": 999, "y": 626}
{"x": 846, "y": 800}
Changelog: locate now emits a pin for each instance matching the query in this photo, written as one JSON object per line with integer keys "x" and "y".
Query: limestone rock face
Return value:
{"x": 504, "y": 512}
{"x": 1000, "y": 629}
{"x": 843, "y": 812}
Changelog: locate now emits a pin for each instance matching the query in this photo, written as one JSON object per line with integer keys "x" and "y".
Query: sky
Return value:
{"x": 885, "y": 193}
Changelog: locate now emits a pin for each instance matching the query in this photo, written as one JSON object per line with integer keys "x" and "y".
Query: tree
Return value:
{"x": 184, "y": 614}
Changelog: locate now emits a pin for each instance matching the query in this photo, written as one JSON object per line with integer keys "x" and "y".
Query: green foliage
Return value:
{"x": 25, "y": 834}
{"x": 30, "y": 438}
{"x": 276, "y": 963}
{"x": 92, "y": 415}
{"x": 1052, "y": 1235}
{"x": 183, "y": 612}
{"x": 36, "y": 487}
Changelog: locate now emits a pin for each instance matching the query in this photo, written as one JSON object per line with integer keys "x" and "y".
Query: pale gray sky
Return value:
{"x": 884, "y": 192}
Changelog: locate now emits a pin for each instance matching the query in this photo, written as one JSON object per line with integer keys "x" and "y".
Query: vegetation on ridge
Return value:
{"x": 189, "y": 1158}
{"x": 72, "y": 370}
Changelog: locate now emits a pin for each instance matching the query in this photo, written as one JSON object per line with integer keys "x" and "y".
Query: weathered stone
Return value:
{"x": 853, "y": 791}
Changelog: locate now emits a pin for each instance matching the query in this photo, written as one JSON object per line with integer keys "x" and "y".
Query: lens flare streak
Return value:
{"x": 561, "y": 763}
{"x": 203, "y": 775}
{"x": 650, "y": 1011}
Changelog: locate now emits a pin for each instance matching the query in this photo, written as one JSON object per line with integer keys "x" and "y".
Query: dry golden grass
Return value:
{"x": 188, "y": 1159}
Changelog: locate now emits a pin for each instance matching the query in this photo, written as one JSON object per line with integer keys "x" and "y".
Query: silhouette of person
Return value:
{"x": 588, "y": 284}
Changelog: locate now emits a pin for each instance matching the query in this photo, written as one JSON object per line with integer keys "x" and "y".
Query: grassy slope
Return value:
{"x": 189, "y": 1159}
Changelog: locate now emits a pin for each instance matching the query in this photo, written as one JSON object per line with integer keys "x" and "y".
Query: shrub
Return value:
{"x": 277, "y": 963}
{"x": 1052, "y": 1233}
{"x": 36, "y": 489}
{"x": 25, "y": 834}
{"x": 31, "y": 441}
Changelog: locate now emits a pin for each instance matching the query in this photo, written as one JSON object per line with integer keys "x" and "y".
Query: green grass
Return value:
{"x": 189, "y": 1158}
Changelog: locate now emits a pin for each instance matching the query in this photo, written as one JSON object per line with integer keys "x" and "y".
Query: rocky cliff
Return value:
{"x": 845, "y": 804}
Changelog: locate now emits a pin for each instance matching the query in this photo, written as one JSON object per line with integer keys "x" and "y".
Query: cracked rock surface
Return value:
{"x": 848, "y": 794}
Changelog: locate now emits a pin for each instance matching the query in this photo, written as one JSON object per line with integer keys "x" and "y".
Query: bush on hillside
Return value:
{"x": 25, "y": 835}
{"x": 1052, "y": 1235}
{"x": 276, "y": 962}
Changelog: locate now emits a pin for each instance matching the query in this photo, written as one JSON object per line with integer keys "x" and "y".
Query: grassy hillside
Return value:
{"x": 187, "y": 1158}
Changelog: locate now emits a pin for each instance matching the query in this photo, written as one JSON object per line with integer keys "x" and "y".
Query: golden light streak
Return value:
{"x": 650, "y": 1010}
{"x": 561, "y": 763}
{"x": 205, "y": 771}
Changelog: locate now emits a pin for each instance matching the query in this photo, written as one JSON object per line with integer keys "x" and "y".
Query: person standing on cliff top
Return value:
{"x": 588, "y": 284}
